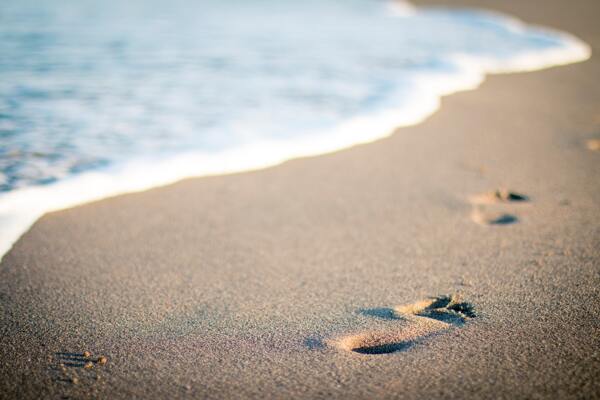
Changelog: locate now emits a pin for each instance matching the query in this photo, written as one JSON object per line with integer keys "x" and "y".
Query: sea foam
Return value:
{"x": 397, "y": 92}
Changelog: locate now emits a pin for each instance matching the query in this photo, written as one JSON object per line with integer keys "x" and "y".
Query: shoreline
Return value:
{"x": 20, "y": 208}
{"x": 235, "y": 286}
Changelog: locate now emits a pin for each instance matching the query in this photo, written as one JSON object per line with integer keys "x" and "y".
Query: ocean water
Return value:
{"x": 101, "y": 98}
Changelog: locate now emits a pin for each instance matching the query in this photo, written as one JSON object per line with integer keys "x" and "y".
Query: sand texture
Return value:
{"x": 297, "y": 281}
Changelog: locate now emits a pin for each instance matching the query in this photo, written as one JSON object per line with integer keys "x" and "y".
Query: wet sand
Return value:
{"x": 298, "y": 280}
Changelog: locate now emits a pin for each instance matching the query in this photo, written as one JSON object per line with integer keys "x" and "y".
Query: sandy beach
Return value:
{"x": 459, "y": 258}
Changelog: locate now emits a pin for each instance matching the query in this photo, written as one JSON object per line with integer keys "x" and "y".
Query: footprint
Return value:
{"x": 485, "y": 207}
{"x": 74, "y": 367}
{"x": 412, "y": 323}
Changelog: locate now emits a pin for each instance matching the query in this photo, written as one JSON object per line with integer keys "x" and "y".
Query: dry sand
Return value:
{"x": 241, "y": 286}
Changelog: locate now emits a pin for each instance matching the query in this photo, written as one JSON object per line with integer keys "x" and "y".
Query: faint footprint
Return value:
{"x": 485, "y": 207}
{"x": 74, "y": 367}
{"x": 411, "y": 324}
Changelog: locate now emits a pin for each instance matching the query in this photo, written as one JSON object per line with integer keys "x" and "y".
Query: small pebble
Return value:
{"x": 74, "y": 380}
{"x": 87, "y": 354}
{"x": 102, "y": 360}
{"x": 88, "y": 365}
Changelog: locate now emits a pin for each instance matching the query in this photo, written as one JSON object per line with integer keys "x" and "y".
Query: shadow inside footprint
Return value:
{"x": 506, "y": 195}
{"x": 383, "y": 349}
{"x": 504, "y": 219}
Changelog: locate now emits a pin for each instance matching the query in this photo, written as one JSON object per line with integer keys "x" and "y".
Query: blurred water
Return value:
{"x": 87, "y": 84}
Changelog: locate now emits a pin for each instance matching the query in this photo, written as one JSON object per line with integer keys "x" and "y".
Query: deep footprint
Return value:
{"x": 417, "y": 321}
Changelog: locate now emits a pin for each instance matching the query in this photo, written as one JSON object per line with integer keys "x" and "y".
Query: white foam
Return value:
{"x": 20, "y": 208}
{"x": 401, "y": 8}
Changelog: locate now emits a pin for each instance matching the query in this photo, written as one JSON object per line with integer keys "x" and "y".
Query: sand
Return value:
{"x": 244, "y": 286}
